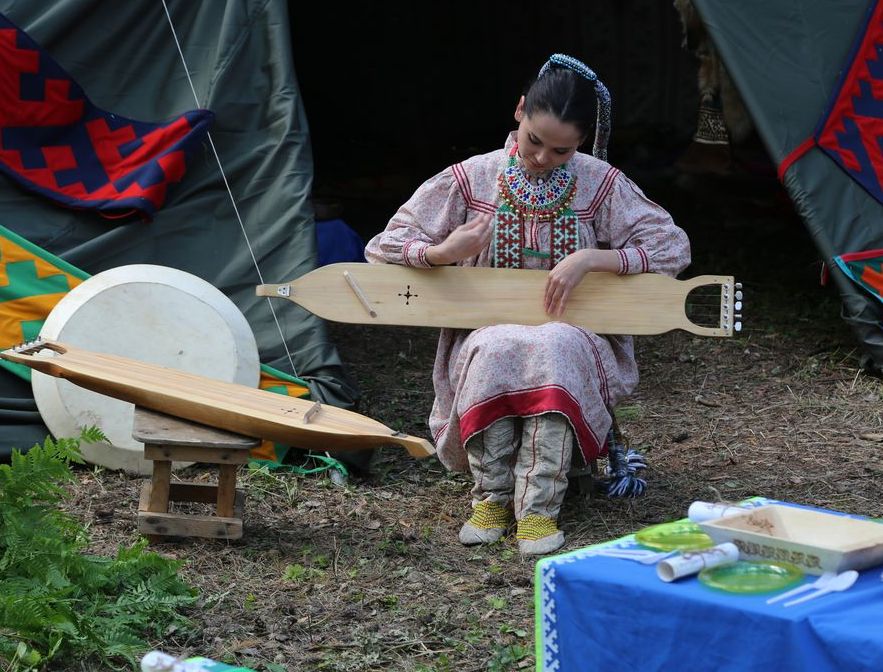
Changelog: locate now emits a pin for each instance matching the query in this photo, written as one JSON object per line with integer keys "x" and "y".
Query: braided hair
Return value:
{"x": 570, "y": 91}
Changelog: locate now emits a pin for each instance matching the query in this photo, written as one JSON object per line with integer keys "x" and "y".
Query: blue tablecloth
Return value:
{"x": 597, "y": 613}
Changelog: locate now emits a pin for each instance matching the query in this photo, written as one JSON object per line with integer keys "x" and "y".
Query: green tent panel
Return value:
{"x": 786, "y": 58}
{"x": 125, "y": 56}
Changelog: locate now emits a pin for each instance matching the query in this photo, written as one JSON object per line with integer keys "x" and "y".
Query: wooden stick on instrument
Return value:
{"x": 236, "y": 408}
{"x": 351, "y": 281}
{"x": 468, "y": 298}
{"x": 313, "y": 410}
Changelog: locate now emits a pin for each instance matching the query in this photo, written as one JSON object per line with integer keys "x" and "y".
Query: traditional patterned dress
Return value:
{"x": 509, "y": 370}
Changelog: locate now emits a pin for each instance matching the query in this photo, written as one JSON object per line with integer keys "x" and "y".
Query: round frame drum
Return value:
{"x": 151, "y": 313}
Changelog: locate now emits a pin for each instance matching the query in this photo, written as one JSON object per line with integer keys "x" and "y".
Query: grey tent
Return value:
{"x": 125, "y": 57}
{"x": 788, "y": 59}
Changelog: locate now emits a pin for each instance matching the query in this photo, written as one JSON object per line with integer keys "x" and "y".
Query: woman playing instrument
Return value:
{"x": 512, "y": 401}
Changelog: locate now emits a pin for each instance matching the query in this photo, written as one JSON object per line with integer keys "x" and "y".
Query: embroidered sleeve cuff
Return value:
{"x": 633, "y": 260}
{"x": 414, "y": 253}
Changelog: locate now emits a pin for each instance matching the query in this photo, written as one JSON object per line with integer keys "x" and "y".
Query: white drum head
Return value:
{"x": 156, "y": 314}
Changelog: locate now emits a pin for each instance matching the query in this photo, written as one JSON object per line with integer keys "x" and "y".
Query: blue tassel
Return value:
{"x": 622, "y": 470}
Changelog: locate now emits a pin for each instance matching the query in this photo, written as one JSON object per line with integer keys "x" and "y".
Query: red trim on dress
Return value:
{"x": 623, "y": 262}
{"x": 602, "y": 374}
{"x": 405, "y": 249}
{"x": 466, "y": 190}
{"x": 421, "y": 253}
{"x": 645, "y": 261}
{"x": 437, "y": 436}
{"x": 463, "y": 182}
{"x": 548, "y": 399}
{"x": 482, "y": 206}
{"x": 519, "y": 510}
{"x": 601, "y": 194}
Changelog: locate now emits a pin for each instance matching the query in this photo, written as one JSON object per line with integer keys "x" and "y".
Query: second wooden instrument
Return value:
{"x": 468, "y": 298}
{"x": 236, "y": 408}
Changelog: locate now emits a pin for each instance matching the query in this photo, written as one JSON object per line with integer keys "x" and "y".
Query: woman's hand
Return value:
{"x": 566, "y": 275}
{"x": 467, "y": 240}
{"x": 570, "y": 271}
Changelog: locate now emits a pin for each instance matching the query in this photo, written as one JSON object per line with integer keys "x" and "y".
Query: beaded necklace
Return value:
{"x": 523, "y": 202}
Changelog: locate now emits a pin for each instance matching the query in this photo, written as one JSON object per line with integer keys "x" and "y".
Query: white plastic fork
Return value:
{"x": 843, "y": 581}
{"x": 820, "y": 582}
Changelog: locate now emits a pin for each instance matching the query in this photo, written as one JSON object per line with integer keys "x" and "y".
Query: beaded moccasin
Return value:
{"x": 488, "y": 524}
{"x": 538, "y": 535}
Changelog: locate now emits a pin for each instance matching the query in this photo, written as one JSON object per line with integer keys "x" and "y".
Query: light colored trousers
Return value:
{"x": 523, "y": 462}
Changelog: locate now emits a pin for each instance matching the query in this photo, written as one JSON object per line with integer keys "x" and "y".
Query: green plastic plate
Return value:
{"x": 680, "y": 535}
{"x": 751, "y": 577}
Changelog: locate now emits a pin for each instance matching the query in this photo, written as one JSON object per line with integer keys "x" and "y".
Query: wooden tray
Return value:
{"x": 813, "y": 540}
{"x": 236, "y": 408}
{"x": 469, "y": 298}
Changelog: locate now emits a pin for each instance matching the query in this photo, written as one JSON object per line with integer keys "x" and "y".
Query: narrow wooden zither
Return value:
{"x": 236, "y": 408}
{"x": 469, "y": 298}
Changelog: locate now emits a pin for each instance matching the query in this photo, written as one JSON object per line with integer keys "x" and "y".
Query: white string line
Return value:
{"x": 229, "y": 190}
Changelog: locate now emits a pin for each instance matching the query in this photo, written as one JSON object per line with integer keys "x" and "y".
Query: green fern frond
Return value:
{"x": 55, "y": 601}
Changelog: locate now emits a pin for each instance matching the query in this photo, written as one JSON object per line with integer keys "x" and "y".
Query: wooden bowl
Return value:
{"x": 816, "y": 541}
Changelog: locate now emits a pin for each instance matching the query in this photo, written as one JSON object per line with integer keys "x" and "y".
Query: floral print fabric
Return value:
{"x": 509, "y": 370}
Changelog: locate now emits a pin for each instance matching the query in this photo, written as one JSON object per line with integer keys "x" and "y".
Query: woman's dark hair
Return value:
{"x": 566, "y": 95}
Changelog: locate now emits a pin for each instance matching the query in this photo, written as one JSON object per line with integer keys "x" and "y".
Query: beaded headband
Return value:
{"x": 602, "y": 128}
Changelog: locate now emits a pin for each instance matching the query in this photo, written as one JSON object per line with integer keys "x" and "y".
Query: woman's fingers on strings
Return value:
{"x": 559, "y": 302}
{"x": 552, "y": 296}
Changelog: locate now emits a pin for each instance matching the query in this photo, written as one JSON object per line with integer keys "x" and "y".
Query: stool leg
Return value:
{"x": 226, "y": 489}
{"x": 159, "y": 489}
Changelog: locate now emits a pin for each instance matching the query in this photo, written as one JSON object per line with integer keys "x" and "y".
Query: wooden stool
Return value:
{"x": 167, "y": 439}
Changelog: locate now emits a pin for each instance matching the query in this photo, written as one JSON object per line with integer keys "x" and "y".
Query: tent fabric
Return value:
{"x": 32, "y": 282}
{"x": 865, "y": 269}
{"x": 58, "y": 144}
{"x": 238, "y": 55}
{"x": 786, "y": 59}
{"x": 851, "y": 129}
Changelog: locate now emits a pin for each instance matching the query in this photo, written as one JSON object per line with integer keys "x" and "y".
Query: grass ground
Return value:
{"x": 370, "y": 576}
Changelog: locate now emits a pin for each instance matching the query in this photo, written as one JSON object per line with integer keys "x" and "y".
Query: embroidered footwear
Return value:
{"x": 538, "y": 535}
{"x": 487, "y": 524}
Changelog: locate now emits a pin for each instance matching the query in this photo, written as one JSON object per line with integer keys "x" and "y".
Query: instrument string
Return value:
{"x": 229, "y": 190}
{"x": 703, "y": 306}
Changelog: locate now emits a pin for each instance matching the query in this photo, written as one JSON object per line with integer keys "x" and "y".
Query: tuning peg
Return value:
{"x": 739, "y": 295}
{"x": 738, "y": 285}
{"x": 738, "y": 305}
{"x": 737, "y": 326}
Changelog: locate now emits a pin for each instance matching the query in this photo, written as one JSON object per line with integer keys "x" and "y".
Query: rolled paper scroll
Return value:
{"x": 699, "y": 512}
{"x": 693, "y": 562}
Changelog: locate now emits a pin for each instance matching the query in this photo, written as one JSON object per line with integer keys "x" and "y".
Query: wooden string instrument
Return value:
{"x": 468, "y": 298}
{"x": 236, "y": 408}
